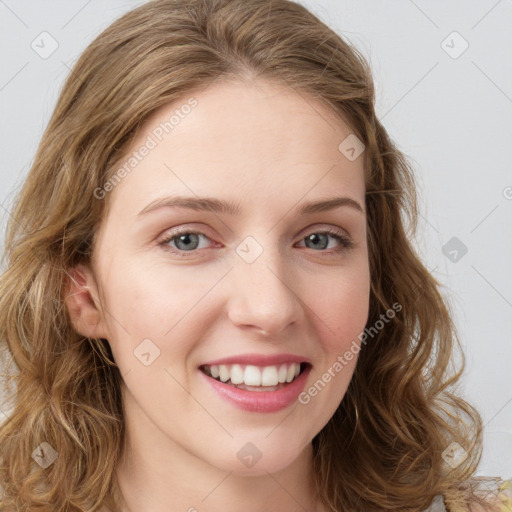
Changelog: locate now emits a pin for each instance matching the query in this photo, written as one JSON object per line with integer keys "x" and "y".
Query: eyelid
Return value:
{"x": 204, "y": 230}
{"x": 319, "y": 228}
{"x": 345, "y": 240}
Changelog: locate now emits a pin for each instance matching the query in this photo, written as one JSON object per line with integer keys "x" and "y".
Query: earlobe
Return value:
{"x": 83, "y": 305}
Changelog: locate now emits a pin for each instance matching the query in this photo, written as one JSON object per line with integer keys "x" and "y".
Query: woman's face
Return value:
{"x": 267, "y": 281}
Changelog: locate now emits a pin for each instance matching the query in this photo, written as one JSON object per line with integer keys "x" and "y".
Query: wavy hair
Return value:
{"x": 383, "y": 447}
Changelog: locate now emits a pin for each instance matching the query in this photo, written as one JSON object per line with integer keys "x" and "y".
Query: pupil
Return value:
{"x": 315, "y": 238}
{"x": 186, "y": 238}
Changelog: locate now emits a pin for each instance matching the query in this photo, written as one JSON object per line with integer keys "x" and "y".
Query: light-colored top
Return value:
{"x": 495, "y": 490}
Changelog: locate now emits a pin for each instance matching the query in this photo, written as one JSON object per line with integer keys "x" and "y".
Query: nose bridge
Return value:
{"x": 263, "y": 294}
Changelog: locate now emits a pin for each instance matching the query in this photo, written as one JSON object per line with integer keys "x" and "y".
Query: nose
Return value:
{"x": 264, "y": 294}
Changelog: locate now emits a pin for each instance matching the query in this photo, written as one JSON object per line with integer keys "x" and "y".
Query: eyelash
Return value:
{"x": 346, "y": 243}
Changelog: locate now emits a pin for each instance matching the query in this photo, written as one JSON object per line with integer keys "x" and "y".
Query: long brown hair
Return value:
{"x": 383, "y": 447}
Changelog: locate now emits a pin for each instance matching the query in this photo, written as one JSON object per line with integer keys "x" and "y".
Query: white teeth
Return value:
{"x": 223, "y": 373}
{"x": 269, "y": 376}
{"x": 237, "y": 374}
{"x": 251, "y": 375}
{"x": 282, "y": 373}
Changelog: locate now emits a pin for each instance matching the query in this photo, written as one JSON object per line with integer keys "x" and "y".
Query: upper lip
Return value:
{"x": 259, "y": 359}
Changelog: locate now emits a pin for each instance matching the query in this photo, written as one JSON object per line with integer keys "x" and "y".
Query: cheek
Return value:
{"x": 150, "y": 302}
{"x": 153, "y": 299}
{"x": 341, "y": 310}
{"x": 340, "y": 313}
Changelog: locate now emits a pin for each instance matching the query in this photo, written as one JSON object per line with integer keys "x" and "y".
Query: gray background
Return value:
{"x": 449, "y": 111}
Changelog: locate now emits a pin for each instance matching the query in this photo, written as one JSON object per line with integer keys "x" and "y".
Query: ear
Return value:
{"x": 84, "y": 307}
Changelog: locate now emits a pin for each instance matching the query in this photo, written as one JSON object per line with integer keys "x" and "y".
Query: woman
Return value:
{"x": 297, "y": 357}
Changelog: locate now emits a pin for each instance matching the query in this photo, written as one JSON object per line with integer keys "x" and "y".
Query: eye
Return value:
{"x": 181, "y": 242}
{"x": 320, "y": 240}
{"x": 184, "y": 240}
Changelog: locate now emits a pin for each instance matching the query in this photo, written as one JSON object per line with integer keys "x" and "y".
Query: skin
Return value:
{"x": 268, "y": 148}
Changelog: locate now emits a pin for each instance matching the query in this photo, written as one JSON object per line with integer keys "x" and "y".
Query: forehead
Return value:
{"x": 247, "y": 141}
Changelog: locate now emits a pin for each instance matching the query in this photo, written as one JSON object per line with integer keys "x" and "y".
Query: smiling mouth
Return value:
{"x": 271, "y": 378}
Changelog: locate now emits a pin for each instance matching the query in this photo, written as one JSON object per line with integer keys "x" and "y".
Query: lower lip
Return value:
{"x": 260, "y": 401}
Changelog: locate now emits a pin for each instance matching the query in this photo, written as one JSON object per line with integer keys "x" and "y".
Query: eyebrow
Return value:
{"x": 212, "y": 204}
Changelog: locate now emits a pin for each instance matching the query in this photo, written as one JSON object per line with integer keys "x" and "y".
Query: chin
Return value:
{"x": 258, "y": 458}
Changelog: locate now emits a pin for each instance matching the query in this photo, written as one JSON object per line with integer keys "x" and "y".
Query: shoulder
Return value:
{"x": 487, "y": 494}
{"x": 490, "y": 494}
{"x": 497, "y": 493}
